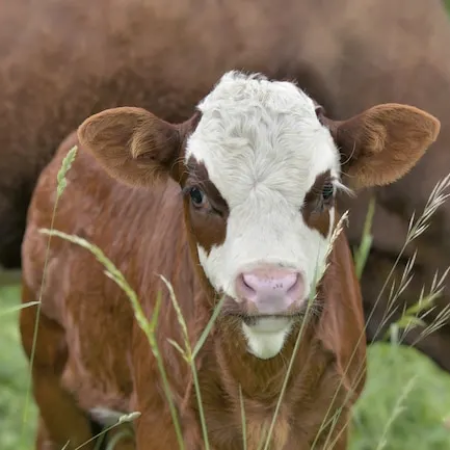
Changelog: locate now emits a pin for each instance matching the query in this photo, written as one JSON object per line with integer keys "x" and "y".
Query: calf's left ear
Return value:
{"x": 383, "y": 143}
{"x": 134, "y": 146}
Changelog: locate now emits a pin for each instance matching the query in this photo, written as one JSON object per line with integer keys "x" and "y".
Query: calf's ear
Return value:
{"x": 383, "y": 143}
{"x": 134, "y": 146}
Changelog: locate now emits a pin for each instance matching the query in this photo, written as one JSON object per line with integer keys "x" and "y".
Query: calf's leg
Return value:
{"x": 61, "y": 419}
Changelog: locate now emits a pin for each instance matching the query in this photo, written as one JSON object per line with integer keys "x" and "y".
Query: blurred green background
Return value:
{"x": 14, "y": 433}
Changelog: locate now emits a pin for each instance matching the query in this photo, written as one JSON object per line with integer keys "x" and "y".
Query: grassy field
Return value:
{"x": 13, "y": 378}
{"x": 405, "y": 404}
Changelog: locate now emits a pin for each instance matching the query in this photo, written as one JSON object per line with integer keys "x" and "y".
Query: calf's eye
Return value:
{"x": 198, "y": 197}
{"x": 327, "y": 191}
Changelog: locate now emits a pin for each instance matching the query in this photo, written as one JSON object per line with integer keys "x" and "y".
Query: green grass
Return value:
{"x": 13, "y": 378}
{"x": 406, "y": 398}
{"x": 392, "y": 370}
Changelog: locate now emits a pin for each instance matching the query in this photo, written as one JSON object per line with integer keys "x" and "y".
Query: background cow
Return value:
{"x": 73, "y": 58}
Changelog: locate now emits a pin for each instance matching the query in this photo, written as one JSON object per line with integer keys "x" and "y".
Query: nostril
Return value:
{"x": 249, "y": 281}
{"x": 293, "y": 282}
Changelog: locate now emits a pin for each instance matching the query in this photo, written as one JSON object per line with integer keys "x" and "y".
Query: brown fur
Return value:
{"x": 315, "y": 211}
{"x": 90, "y": 350}
{"x": 207, "y": 225}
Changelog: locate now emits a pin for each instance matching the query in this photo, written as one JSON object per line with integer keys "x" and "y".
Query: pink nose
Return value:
{"x": 272, "y": 290}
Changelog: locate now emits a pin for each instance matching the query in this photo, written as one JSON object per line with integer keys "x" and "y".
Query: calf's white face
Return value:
{"x": 276, "y": 168}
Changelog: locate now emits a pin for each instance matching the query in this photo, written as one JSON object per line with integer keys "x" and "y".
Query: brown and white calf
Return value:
{"x": 237, "y": 201}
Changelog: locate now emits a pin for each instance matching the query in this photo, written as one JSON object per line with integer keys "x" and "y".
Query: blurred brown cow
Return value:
{"x": 61, "y": 61}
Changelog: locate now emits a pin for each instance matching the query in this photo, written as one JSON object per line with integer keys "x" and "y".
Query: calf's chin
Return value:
{"x": 266, "y": 338}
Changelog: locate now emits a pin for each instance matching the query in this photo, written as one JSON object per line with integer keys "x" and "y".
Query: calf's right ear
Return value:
{"x": 380, "y": 145}
{"x": 134, "y": 146}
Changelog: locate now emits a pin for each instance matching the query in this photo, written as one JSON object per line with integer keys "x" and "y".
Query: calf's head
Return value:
{"x": 259, "y": 165}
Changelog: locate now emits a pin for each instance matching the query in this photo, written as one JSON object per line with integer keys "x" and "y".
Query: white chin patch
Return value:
{"x": 266, "y": 338}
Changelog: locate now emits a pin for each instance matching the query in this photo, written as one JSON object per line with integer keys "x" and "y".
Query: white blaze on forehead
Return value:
{"x": 261, "y": 133}
{"x": 263, "y": 148}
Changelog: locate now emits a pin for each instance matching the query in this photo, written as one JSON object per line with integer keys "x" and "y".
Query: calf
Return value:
{"x": 237, "y": 202}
